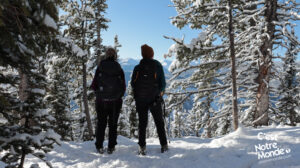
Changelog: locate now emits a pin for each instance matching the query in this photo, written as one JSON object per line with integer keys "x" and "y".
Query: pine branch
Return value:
{"x": 201, "y": 90}
{"x": 44, "y": 160}
{"x": 220, "y": 115}
{"x": 183, "y": 100}
{"x": 179, "y": 72}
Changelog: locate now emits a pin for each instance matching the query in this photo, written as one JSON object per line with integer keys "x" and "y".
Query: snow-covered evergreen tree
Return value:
{"x": 97, "y": 25}
{"x": 288, "y": 103}
{"x": 58, "y": 95}
{"x": 256, "y": 37}
{"x": 123, "y": 124}
{"x": 83, "y": 19}
{"x": 23, "y": 45}
{"x": 297, "y": 97}
{"x": 199, "y": 116}
{"x": 177, "y": 124}
{"x": 100, "y": 24}
{"x": 77, "y": 19}
{"x": 202, "y": 65}
{"x": 117, "y": 44}
{"x": 271, "y": 29}
{"x": 130, "y": 110}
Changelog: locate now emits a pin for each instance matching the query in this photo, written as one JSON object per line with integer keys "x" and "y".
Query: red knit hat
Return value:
{"x": 147, "y": 51}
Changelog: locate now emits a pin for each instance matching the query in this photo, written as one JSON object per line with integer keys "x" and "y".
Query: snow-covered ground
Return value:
{"x": 236, "y": 150}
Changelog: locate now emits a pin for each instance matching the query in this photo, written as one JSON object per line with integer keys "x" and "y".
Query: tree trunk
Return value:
{"x": 265, "y": 63}
{"x": 98, "y": 42}
{"x": 22, "y": 159}
{"x": 23, "y": 148}
{"x": 23, "y": 95}
{"x": 84, "y": 83}
{"x": 208, "y": 129}
{"x": 233, "y": 68}
{"x": 85, "y": 102}
{"x": 208, "y": 125}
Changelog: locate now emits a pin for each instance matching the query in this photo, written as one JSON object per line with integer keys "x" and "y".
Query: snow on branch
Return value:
{"x": 3, "y": 120}
{"x": 175, "y": 40}
{"x": 177, "y": 73}
{"x": 180, "y": 102}
{"x": 50, "y": 22}
{"x": 220, "y": 115}
{"x": 75, "y": 48}
{"x": 201, "y": 90}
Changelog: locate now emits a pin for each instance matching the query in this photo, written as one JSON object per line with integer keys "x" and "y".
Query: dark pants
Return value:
{"x": 107, "y": 110}
{"x": 142, "y": 108}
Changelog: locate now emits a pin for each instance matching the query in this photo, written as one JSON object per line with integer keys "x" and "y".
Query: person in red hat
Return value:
{"x": 148, "y": 83}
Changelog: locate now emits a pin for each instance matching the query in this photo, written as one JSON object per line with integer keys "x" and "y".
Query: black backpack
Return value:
{"x": 145, "y": 82}
{"x": 110, "y": 82}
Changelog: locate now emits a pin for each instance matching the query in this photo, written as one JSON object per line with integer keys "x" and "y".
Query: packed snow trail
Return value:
{"x": 235, "y": 150}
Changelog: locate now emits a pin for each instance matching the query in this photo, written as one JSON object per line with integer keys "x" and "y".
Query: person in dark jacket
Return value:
{"x": 148, "y": 83}
{"x": 109, "y": 86}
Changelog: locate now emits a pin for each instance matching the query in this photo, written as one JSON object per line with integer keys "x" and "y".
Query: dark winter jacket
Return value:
{"x": 160, "y": 74}
{"x": 94, "y": 84}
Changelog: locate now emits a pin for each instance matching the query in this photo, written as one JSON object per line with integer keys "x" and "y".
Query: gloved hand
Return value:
{"x": 162, "y": 94}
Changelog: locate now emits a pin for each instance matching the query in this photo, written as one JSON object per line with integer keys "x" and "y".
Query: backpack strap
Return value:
{"x": 137, "y": 75}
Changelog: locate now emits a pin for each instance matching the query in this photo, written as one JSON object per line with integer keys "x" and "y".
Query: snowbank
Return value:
{"x": 240, "y": 149}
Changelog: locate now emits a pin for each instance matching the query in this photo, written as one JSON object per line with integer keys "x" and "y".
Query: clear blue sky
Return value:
{"x": 138, "y": 22}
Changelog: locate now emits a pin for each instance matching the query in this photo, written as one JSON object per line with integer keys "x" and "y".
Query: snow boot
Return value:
{"x": 164, "y": 148}
{"x": 110, "y": 150}
{"x": 100, "y": 150}
{"x": 142, "y": 150}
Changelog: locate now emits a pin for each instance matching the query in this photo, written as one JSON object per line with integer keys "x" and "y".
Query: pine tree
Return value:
{"x": 58, "y": 95}
{"x": 100, "y": 22}
{"x": 203, "y": 64}
{"x": 200, "y": 116}
{"x": 177, "y": 124}
{"x": 297, "y": 97}
{"x": 97, "y": 25}
{"x": 27, "y": 30}
{"x": 117, "y": 44}
{"x": 288, "y": 103}
{"x": 151, "y": 130}
{"x": 268, "y": 24}
{"x": 254, "y": 24}
{"x": 123, "y": 124}
{"x": 124, "y": 119}
{"x": 82, "y": 20}
{"x": 68, "y": 81}
{"x": 130, "y": 109}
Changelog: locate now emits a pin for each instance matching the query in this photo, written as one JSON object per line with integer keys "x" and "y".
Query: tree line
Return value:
{"x": 232, "y": 73}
